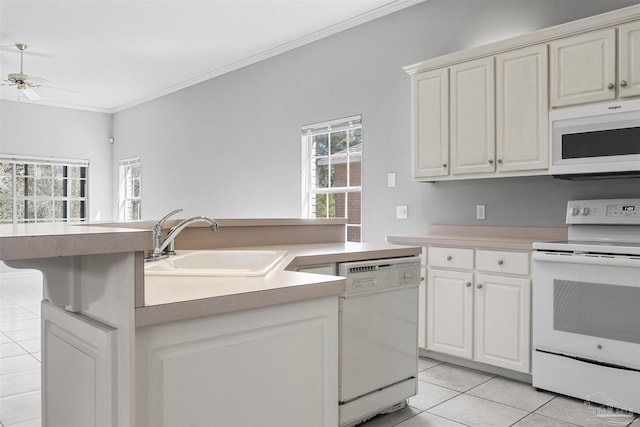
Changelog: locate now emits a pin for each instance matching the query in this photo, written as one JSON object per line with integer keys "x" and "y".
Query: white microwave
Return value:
{"x": 595, "y": 141}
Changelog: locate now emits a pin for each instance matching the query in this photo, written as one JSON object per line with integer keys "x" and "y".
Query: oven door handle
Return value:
{"x": 615, "y": 261}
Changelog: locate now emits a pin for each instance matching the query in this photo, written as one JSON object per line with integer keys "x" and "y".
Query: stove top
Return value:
{"x": 595, "y": 247}
{"x": 609, "y": 226}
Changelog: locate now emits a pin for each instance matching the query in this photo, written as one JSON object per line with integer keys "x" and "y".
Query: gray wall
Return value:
{"x": 230, "y": 147}
{"x": 29, "y": 129}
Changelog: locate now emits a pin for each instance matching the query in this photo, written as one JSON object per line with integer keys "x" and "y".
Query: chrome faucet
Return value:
{"x": 163, "y": 247}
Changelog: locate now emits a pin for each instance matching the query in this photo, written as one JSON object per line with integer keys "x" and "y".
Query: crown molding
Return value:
{"x": 310, "y": 38}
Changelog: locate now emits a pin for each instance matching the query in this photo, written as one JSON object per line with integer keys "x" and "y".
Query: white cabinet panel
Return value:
{"x": 502, "y": 326}
{"x": 430, "y": 98}
{"x": 583, "y": 68}
{"x": 503, "y": 262}
{"x": 450, "y": 312}
{"x": 281, "y": 361}
{"x": 73, "y": 343}
{"x": 458, "y": 258}
{"x": 473, "y": 117}
{"x": 629, "y": 54}
{"x": 522, "y": 109}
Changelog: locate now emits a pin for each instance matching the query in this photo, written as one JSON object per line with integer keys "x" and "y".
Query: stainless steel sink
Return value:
{"x": 216, "y": 263}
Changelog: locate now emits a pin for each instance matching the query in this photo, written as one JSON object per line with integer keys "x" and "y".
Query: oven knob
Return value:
{"x": 585, "y": 211}
{"x": 407, "y": 276}
{"x": 575, "y": 211}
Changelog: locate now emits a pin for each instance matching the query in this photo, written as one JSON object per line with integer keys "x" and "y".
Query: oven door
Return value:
{"x": 587, "y": 306}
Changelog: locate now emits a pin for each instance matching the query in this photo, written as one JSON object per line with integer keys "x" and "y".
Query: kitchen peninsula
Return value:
{"x": 122, "y": 349}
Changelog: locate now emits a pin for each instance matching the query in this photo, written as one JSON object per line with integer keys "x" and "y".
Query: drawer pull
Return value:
{"x": 468, "y": 284}
{"x": 449, "y": 257}
{"x": 479, "y": 285}
{"x": 500, "y": 262}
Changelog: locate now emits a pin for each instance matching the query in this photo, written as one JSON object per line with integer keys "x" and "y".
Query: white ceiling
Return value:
{"x": 118, "y": 53}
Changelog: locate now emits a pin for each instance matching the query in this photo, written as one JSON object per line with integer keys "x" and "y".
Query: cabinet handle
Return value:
{"x": 479, "y": 285}
{"x": 444, "y": 165}
{"x": 499, "y": 160}
{"x": 623, "y": 83}
{"x": 468, "y": 284}
{"x": 449, "y": 257}
{"x": 500, "y": 262}
{"x": 610, "y": 86}
{"x": 490, "y": 161}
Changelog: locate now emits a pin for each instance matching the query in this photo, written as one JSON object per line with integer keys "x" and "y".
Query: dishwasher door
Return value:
{"x": 378, "y": 340}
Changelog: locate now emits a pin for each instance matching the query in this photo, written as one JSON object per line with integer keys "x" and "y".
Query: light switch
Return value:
{"x": 480, "y": 212}
{"x": 391, "y": 179}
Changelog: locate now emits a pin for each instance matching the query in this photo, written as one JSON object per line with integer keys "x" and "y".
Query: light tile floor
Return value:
{"x": 20, "y": 296}
{"x": 452, "y": 396}
{"x": 448, "y": 395}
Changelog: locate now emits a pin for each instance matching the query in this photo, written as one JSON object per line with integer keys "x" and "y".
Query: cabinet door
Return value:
{"x": 522, "y": 109}
{"x": 502, "y": 321}
{"x": 629, "y": 59}
{"x": 78, "y": 345}
{"x": 430, "y": 92}
{"x": 583, "y": 68}
{"x": 450, "y": 312}
{"x": 472, "y": 117}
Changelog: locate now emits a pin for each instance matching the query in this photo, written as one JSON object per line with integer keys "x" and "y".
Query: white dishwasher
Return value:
{"x": 378, "y": 337}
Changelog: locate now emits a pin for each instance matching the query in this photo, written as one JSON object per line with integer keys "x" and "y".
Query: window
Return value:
{"x": 42, "y": 190}
{"x": 129, "y": 189}
{"x": 332, "y": 166}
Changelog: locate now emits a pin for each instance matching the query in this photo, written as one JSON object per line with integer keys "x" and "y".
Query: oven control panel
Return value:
{"x": 606, "y": 211}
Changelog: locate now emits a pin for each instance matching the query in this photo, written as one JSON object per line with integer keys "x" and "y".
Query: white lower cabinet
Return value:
{"x": 450, "y": 312}
{"x": 270, "y": 366}
{"x": 483, "y": 312}
{"x": 74, "y": 343}
{"x": 501, "y": 318}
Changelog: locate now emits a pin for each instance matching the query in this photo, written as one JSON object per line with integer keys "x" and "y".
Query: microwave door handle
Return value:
{"x": 604, "y": 260}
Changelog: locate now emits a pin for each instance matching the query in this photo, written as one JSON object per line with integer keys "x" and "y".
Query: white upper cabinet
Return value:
{"x": 583, "y": 68}
{"x": 629, "y": 54}
{"x": 521, "y": 110}
{"x": 430, "y": 97}
{"x": 472, "y": 117}
{"x": 483, "y": 112}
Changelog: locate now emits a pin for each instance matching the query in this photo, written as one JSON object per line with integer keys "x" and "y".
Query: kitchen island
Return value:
{"x": 159, "y": 351}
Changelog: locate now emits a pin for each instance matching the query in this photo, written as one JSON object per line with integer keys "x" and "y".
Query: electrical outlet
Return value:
{"x": 480, "y": 212}
{"x": 401, "y": 212}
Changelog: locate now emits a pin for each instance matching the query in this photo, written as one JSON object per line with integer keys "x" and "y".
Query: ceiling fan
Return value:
{"x": 23, "y": 82}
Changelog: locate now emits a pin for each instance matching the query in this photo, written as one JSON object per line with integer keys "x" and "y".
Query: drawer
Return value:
{"x": 503, "y": 262}
{"x": 451, "y": 258}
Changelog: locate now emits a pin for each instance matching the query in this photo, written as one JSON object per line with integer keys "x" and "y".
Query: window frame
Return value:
{"x": 309, "y": 168}
{"x": 75, "y": 189}
{"x": 125, "y": 184}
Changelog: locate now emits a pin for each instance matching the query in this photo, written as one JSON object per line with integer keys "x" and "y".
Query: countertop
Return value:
{"x": 175, "y": 298}
{"x": 29, "y": 241}
{"x": 508, "y": 238}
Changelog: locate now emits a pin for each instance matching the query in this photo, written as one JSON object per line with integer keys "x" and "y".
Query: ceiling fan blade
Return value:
{"x": 31, "y": 94}
{"x": 33, "y": 80}
{"x": 60, "y": 89}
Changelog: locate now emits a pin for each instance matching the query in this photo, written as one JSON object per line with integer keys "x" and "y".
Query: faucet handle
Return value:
{"x": 158, "y": 226}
